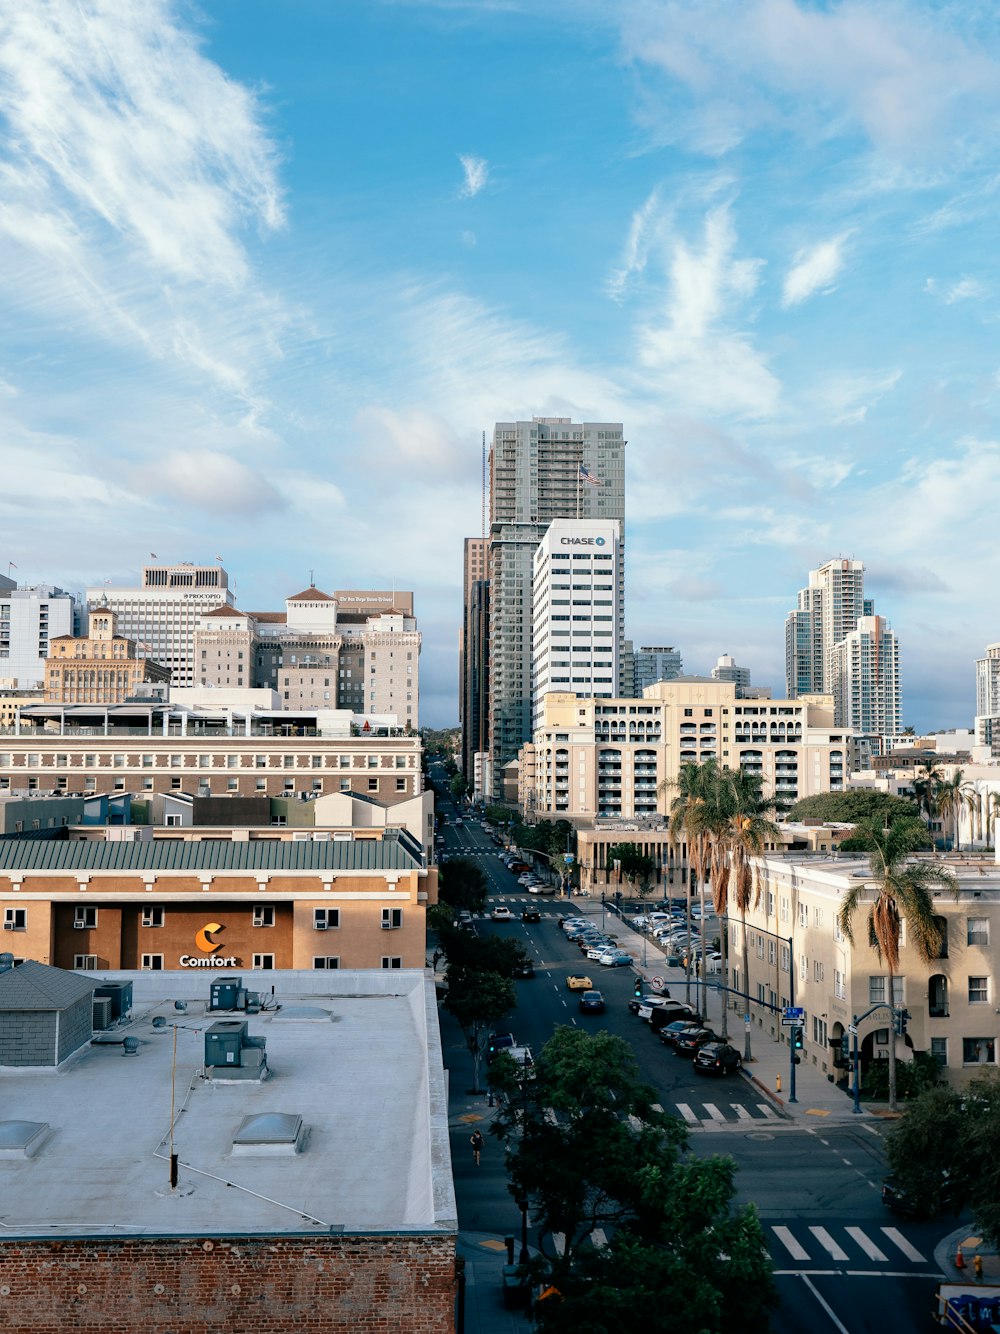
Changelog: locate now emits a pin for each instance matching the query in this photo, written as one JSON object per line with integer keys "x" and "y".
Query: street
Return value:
{"x": 842, "y": 1263}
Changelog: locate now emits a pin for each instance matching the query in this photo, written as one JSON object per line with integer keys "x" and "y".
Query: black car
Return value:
{"x": 531, "y": 915}
{"x": 669, "y": 1033}
{"x": 525, "y": 969}
{"x": 667, "y": 1014}
{"x": 688, "y": 1042}
{"x": 592, "y": 1002}
{"x": 717, "y": 1058}
{"x": 947, "y": 1197}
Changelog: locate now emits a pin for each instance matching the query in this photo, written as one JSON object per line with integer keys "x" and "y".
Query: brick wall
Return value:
{"x": 236, "y": 1285}
{"x": 28, "y": 1037}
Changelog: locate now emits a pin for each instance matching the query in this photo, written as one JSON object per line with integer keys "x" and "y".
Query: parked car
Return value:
{"x": 688, "y": 1042}
{"x": 717, "y": 1058}
{"x": 497, "y": 1042}
{"x": 531, "y": 915}
{"x": 615, "y": 959}
{"x": 666, "y": 1014}
{"x": 669, "y": 1033}
{"x": 567, "y": 922}
{"x": 592, "y": 1002}
{"x": 596, "y": 949}
{"x": 651, "y": 1003}
{"x": 579, "y": 982}
{"x": 635, "y": 1002}
{"x": 502, "y": 915}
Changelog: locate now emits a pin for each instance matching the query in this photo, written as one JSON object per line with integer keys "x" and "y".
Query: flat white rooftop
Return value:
{"x": 365, "y": 1075}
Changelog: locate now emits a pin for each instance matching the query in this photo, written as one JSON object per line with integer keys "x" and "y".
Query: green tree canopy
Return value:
{"x": 851, "y": 806}
{"x": 609, "y": 1157}
{"x": 462, "y": 884}
{"x": 477, "y": 1000}
{"x": 637, "y": 867}
{"x": 459, "y": 786}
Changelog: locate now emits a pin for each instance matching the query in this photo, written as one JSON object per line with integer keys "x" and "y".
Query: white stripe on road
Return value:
{"x": 897, "y": 1239}
{"x": 599, "y": 1238}
{"x": 793, "y": 1248}
{"x": 828, "y": 1243}
{"x": 869, "y": 1247}
{"x": 767, "y": 1111}
{"x": 743, "y": 1113}
{"x": 714, "y": 1112}
{"x": 687, "y": 1113}
{"x": 842, "y": 1328}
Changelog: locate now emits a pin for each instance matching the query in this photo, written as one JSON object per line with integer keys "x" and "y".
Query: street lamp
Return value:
{"x": 522, "y": 1203}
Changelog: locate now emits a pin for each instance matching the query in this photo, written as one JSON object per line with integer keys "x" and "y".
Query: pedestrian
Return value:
{"x": 477, "y": 1142}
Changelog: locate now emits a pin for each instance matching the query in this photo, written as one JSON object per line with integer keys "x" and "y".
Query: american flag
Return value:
{"x": 587, "y": 476}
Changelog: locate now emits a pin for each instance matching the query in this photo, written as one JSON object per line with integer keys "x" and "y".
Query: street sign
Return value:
{"x": 790, "y": 1023}
{"x": 657, "y": 983}
{"x": 793, "y": 1012}
{"x": 746, "y": 1020}
{"x": 853, "y": 1028}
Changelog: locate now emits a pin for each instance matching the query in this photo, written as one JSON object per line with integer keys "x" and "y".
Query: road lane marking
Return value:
{"x": 767, "y": 1111}
{"x": 898, "y": 1240}
{"x": 828, "y": 1243}
{"x": 868, "y": 1246}
{"x": 687, "y": 1113}
{"x": 825, "y": 1305}
{"x": 743, "y": 1113}
{"x": 793, "y": 1248}
{"x": 713, "y": 1111}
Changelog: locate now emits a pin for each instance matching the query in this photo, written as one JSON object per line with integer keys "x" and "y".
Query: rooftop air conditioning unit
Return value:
{"x": 320, "y": 926}
{"x": 79, "y": 926}
{"x": 8, "y": 926}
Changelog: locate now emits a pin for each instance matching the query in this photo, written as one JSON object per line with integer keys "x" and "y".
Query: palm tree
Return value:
{"x": 689, "y": 814}
{"x": 992, "y": 806}
{"x": 747, "y": 831}
{"x": 952, "y": 799}
{"x": 902, "y": 893}
{"x": 925, "y": 788}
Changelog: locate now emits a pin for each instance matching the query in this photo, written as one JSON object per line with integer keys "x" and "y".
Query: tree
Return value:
{"x": 851, "y": 806}
{"x": 693, "y": 813}
{"x": 478, "y": 1001}
{"x": 955, "y": 795}
{"x": 979, "y": 1170}
{"x": 463, "y": 884}
{"x": 459, "y": 786}
{"x": 902, "y": 893}
{"x": 636, "y": 866}
{"x": 925, "y": 787}
{"x": 610, "y": 1158}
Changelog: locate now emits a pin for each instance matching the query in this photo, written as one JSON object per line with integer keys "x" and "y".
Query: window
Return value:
{"x": 979, "y": 990}
{"x": 152, "y": 916}
{"x": 772, "y": 951}
{"x": 391, "y": 961}
{"x": 152, "y": 963}
{"x": 15, "y": 919}
{"x": 839, "y": 985}
{"x": 898, "y": 991}
{"x": 979, "y": 1051}
{"x": 817, "y": 971}
{"x": 326, "y": 961}
{"x": 85, "y": 918}
{"x": 172, "y": 821}
{"x": 86, "y": 963}
{"x": 392, "y": 918}
{"x": 784, "y": 909}
{"x": 263, "y": 914}
{"x": 263, "y": 961}
{"x": 400, "y": 784}
{"x": 326, "y": 919}
{"x": 978, "y": 931}
{"x": 784, "y": 959}
{"x": 837, "y": 932}
{"x": 939, "y": 1050}
{"x": 876, "y": 991}
{"x": 373, "y": 785}
{"x": 803, "y": 967}
{"x": 803, "y": 914}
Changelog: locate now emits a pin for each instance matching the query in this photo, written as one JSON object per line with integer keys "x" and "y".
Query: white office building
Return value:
{"x": 864, "y": 679}
{"x": 162, "y": 614}
{"x": 30, "y": 618}
{"x": 988, "y": 699}
{"x": 578, "y": 611}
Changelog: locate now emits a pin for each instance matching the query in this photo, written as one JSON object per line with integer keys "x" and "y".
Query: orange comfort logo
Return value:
{"x": 203, "y": 938}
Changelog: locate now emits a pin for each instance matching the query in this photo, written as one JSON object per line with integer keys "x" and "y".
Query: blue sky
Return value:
{"x": 268, "y": 271}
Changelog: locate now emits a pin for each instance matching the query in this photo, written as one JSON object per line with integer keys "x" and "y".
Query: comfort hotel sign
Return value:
{"x": 208, "y": 957}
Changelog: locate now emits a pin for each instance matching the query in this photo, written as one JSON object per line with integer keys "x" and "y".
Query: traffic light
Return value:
{"x": 797, "y": 1040}
{"x": 637, "y": 987}
{"x": 845, "y": 1047}
{"x": 899, "y": 1021}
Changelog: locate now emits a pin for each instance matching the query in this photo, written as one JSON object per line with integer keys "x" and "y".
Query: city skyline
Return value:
{"x": 269, "y": 275}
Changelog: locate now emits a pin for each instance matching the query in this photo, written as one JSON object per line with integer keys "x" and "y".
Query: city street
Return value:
{"x": 841, "y": 1261}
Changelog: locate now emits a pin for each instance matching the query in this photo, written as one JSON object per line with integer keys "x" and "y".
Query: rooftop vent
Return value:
{"x": 270, "y": 1133}
{"x": 316, "y": 1013}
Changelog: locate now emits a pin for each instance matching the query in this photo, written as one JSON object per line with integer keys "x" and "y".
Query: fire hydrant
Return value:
{"x": 777, "y": 1084}
{"x": 977, "y": 1265}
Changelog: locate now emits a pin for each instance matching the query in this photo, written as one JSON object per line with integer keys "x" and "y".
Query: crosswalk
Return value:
{"x": 844, "y": 1245}
{"x": 733, "y": 1113}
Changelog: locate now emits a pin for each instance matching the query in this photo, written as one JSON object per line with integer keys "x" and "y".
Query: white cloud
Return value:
{"x": 646, "y": 224}
{"x": 477, "y": 173}
{"x": 210, "y": 481}
{"x": 904, "y": 78}
{"x": 814, "y": 269}
{"x": 963, "y": 290}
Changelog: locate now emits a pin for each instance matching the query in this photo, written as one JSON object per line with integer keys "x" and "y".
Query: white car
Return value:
{"x": 541, "y": 889}
{"x": 502, "y": 915}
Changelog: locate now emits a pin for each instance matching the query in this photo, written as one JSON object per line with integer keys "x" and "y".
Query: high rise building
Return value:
{"x": 828, "y": 609}
{"x": 30, "y": 618}
{"x": 726, "y": 669}
{"x": 988, "y": 699}
{"x": 100, "y": 668}
{"x": 540, "y": 470}
{"x": 655, "y": 664}
{"x": 864, "y": 679}
{"x": 162, "y": 614}
{"x": 473, "y": 697}
{"x": 578, "y": 611}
